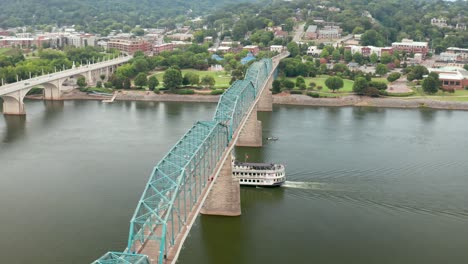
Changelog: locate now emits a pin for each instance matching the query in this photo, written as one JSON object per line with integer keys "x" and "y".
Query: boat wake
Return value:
{"x": 304, "y": 185}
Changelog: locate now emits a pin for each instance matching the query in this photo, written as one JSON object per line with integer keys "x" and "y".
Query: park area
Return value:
{"x": 221, "y": 78}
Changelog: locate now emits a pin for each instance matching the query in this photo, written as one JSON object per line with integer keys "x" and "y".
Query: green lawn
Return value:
{"x": 380, "y": 79}
{"x": 5, "y": 50}
{"x": 459, "y": 95}
{"x": 222, "y": 80}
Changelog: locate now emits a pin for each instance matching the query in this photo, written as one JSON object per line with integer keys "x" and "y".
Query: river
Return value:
{"x": 365, "y": 185}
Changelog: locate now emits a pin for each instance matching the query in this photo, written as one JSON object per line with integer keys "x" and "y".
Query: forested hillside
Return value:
{"x": 97, "y": 15}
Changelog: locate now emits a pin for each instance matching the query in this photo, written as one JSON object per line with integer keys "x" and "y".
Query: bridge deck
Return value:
{"x": 29, "y": 83}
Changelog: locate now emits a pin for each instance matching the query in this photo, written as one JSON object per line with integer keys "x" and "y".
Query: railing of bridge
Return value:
{"x": 177, "y": 181}
{"x": 122, "y": 258}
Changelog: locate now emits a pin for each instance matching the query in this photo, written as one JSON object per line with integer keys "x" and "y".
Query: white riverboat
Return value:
{"x": 259, "y": 174}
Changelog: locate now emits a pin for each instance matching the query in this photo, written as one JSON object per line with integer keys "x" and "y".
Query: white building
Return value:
{"x": 314, "y": 51}
{"x": 276, "y": 48}
{"x": 439, "y": 22}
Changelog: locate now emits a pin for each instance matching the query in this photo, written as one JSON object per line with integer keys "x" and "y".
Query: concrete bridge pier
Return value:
{"x": 265, "y": 102}
{"x": 251, "y": 133}
{"x": 13, "y": 103}
{"x": 224, "y": 197}
{"x": 52, "y": 90}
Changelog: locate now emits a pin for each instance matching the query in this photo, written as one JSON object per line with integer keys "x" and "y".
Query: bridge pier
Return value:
{"x": 13, "y": 103}
{"x": 224, "y": 197}
{"x": 265, "y": 102}
{"x": 52, "y": 90}
{"x": 251, "y": 133}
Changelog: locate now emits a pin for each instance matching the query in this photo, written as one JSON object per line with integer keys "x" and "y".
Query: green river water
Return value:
{"x": 365, "y": 185}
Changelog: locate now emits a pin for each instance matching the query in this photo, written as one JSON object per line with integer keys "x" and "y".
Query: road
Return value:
{"x": 298, "y": 32}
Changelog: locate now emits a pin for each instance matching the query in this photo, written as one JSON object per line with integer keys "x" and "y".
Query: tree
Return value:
{"x": 358, "y": 58}
{"x": 381, "y": 69}
{"x": 430, "y": 85}
{"x": 393, "y": 76}
{"x": 465, "y": 67}
{"x": 81, "y": 82}
{"x": 99, "y": 84}
{"x": 312, "y": 85}
{"x": 288, "y": 84}
{"x": 334, "y": 83}
{"x": 239, "y": 30}
{"x": 373, "y": 58}
{"x": 360, "y": 85}
{"x": 324, "y": 54}
{"x": 386, "y": 58}
{"x": 300, "y": 80}
{"x": 127, "y": 84}
{"x": 348, "y": 56}
{"x": 141, "y": 80}
{"x": 153, "y": 82}
{"x": 419, "y": 71}
{"x": 340, "y": 67}
{"x": 276, "y": 86}
{"x": 192, "y": 78}
{"x": 172, "y": 78}
{"x": 138, "y": 31}
{"x": 372, "y": 38}
{"x": 336, "y": 56}
{"x": 381, "y": 86}
{"x": 140, "y": 64}
{"x": 288, "y": 25}
{"x": 293, "y": 49}
{"x": 208, "y": 80}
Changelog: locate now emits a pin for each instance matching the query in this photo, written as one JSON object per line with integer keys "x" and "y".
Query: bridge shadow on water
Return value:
{"x": 15, "y": 128}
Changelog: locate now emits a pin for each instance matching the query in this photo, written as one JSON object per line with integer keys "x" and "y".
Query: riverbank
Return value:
{"x": 279, "y": 99}
{"x": 354, "y": 100}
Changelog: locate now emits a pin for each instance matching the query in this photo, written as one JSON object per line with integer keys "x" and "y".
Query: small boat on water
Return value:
{"x": 272, "y": 138}
{"x": 258, "y": 174}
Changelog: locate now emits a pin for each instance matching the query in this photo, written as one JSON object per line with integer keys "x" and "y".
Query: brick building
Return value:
{"x": 129, "y": 46}
{"x": 368, "y": 50}
{"x": 252, "y": 49}
{"x": 451, "y": 78}
{"x": 410, "y": 46}
{"x": 163, "y": 47}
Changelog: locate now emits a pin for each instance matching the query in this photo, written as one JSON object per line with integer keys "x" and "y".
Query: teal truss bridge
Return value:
{"x": 195, "y": 175}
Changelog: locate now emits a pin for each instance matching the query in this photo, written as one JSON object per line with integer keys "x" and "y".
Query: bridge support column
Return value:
{"x": 265, "y": 103}
{"x": 13, "y": 104}
{"x": 224, "y": 196}
{"x": 251, "y": 134}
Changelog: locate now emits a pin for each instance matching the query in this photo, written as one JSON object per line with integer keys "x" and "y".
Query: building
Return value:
{"x": 410, "y": 46}
{"x": 224, "y": 49}
{"x": 129, "y": 46}
{"x": 460, "y": 26}
{"x": 368, "y": 50}
{"x": 461, "y": 53}
{"x": 252, "y": 49}
{"x": 16, "y": 42}
{"x": 452, "y": 78}
{"x": 448, "y": 57}
{"x": 439, "y": 22}
{"x": 181, "y": 36}
{"x": 277, "y": 48}
{"x": 163, "y": 47}
{"x": 311, "y": 32}
{"x": 329, "y": 32}
{"x": 280, "y": 34}
{"x": 314, "y": 51}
